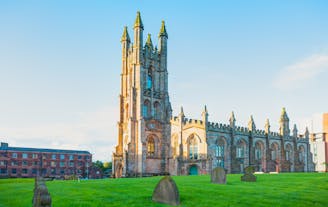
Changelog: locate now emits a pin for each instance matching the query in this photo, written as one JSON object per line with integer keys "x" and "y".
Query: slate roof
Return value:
{"x": 25, "y": 149}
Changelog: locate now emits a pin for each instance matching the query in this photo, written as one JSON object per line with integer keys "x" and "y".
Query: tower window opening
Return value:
{"x": 149, "y": 81}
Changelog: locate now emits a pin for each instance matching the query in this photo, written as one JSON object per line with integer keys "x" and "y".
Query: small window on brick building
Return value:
{"x": 53, "y": 164}
{"x": 14, "y": 171}
{"x": 53, "y": 171}
{"x": 24, "y": 155}
{"x": 14, "y": 155}
{"x": 62, "y": 157}
{"x": 24, "y": 163}
{"x": 3, "y": 171}
{"x": 53, "y": 156}
{"x": 71, "y": 157}
{"x": 24, "y": 171}
{"x": 62, "y": 164}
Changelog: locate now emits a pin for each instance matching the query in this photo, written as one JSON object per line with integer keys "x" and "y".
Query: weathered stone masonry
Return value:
{"x": 151, "y": 141}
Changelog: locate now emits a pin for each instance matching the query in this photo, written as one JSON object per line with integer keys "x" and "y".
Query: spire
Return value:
{"x": 181, "y": 111}
{"x": 251, "y": 124}
{"x": 181, "y": 115}
{"x": 284, "y": 123}
{"x": 205, "y": 115}
{"x": 149, "y": 43}
{"x": 232, "y": 120}
{"x": 163, "y": 32}
{"x": 295, "y": 131}
{"x": 307, "y": 133}
{"x": 205, "y": 109}
{"x": 125, "y": 35}
{"x": 283, "y": 115}
{"x": 267, "y": 126}
{"x": 138, "y": 22}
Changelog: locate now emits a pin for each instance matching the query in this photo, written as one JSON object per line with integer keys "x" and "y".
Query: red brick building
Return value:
{"x": 30, "y": 162}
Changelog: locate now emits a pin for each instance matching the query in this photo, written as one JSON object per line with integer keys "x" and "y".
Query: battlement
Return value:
{"x": 193, "y": 121}
{"x": 274, "y": 134}
{"x": 186, "y": 121}
{"x": 239, "y": 129}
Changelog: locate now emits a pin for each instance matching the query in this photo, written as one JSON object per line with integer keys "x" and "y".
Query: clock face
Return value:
{"x": 153, "y": 125}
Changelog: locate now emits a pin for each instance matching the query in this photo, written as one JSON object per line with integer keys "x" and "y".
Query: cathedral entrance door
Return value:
{"x": 193, "y": 170}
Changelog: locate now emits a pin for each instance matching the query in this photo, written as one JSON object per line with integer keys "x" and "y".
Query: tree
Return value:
{"x": 108, "y": 165}
{"x": 103, "y": 166}
{"x": 99, "y": 165}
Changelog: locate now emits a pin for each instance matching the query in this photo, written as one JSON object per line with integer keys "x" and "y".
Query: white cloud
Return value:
{"x": 95, "y": 131}
{"x": 293, "y": 76}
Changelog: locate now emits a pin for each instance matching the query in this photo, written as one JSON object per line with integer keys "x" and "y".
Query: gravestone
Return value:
{"x": 41, "y": 196}
{"x": 166, "y": 192}
{"x": 219, "y": 176}
{"x": 249, "y": 174}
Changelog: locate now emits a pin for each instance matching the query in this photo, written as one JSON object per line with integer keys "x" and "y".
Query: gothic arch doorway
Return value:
{"x": 193, "y": 170}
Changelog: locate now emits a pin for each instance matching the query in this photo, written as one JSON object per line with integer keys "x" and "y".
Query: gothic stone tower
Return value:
{"x": 145, "y": 110}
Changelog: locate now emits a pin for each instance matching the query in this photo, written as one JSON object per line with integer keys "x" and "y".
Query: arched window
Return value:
{"x": 221, "y": 163}
{"x": 301, "y": 153}
{"x": 157, "y": 110}
{"x": 240, "y": 149}
{"x": 219, "y": 150}
{"x": 193, "y": 148}
{"x": 146, "y": 109}
{"x": 274, "y": 151}
{"x": 258, "y": 151}
{"x": 149, "y": 81}
{"x": 288, "y": 152}
{"x": 151, "y": 147}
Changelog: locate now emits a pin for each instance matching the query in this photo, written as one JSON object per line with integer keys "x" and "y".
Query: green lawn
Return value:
{"x": 294, "y": 189}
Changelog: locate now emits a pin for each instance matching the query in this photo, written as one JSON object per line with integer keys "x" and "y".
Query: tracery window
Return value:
{"x": 149, "y": 81}
{"x": 288, "y": 152}
{"x": 146, "y": 109}
{"x": 193, "y": 148}
{"x": 258, "y": 151}
{"x": 221, "y": 163}
{"x": 157, "y": 110}
{"x": 151, "y": 147}
{"x": 219, "y": 151}
{"x": 240, "y": 149}
{"x": 301, "y": 154}
{"x": 274, "y": 151}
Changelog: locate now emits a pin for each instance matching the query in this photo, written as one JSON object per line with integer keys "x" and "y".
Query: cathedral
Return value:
{"x": 153, "y": 142}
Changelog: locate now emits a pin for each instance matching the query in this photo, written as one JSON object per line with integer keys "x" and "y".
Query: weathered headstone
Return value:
{"x": 249, "y": 174}
{"x": 166, "y": 192}
{"x": 41, "y": 196}
{"x": 219, "y": 176}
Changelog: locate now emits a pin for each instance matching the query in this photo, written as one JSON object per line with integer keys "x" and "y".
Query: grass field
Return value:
{"x": 294, "y": 189}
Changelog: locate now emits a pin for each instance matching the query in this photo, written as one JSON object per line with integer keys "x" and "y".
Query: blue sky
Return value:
{"x": 60, "y": 64}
